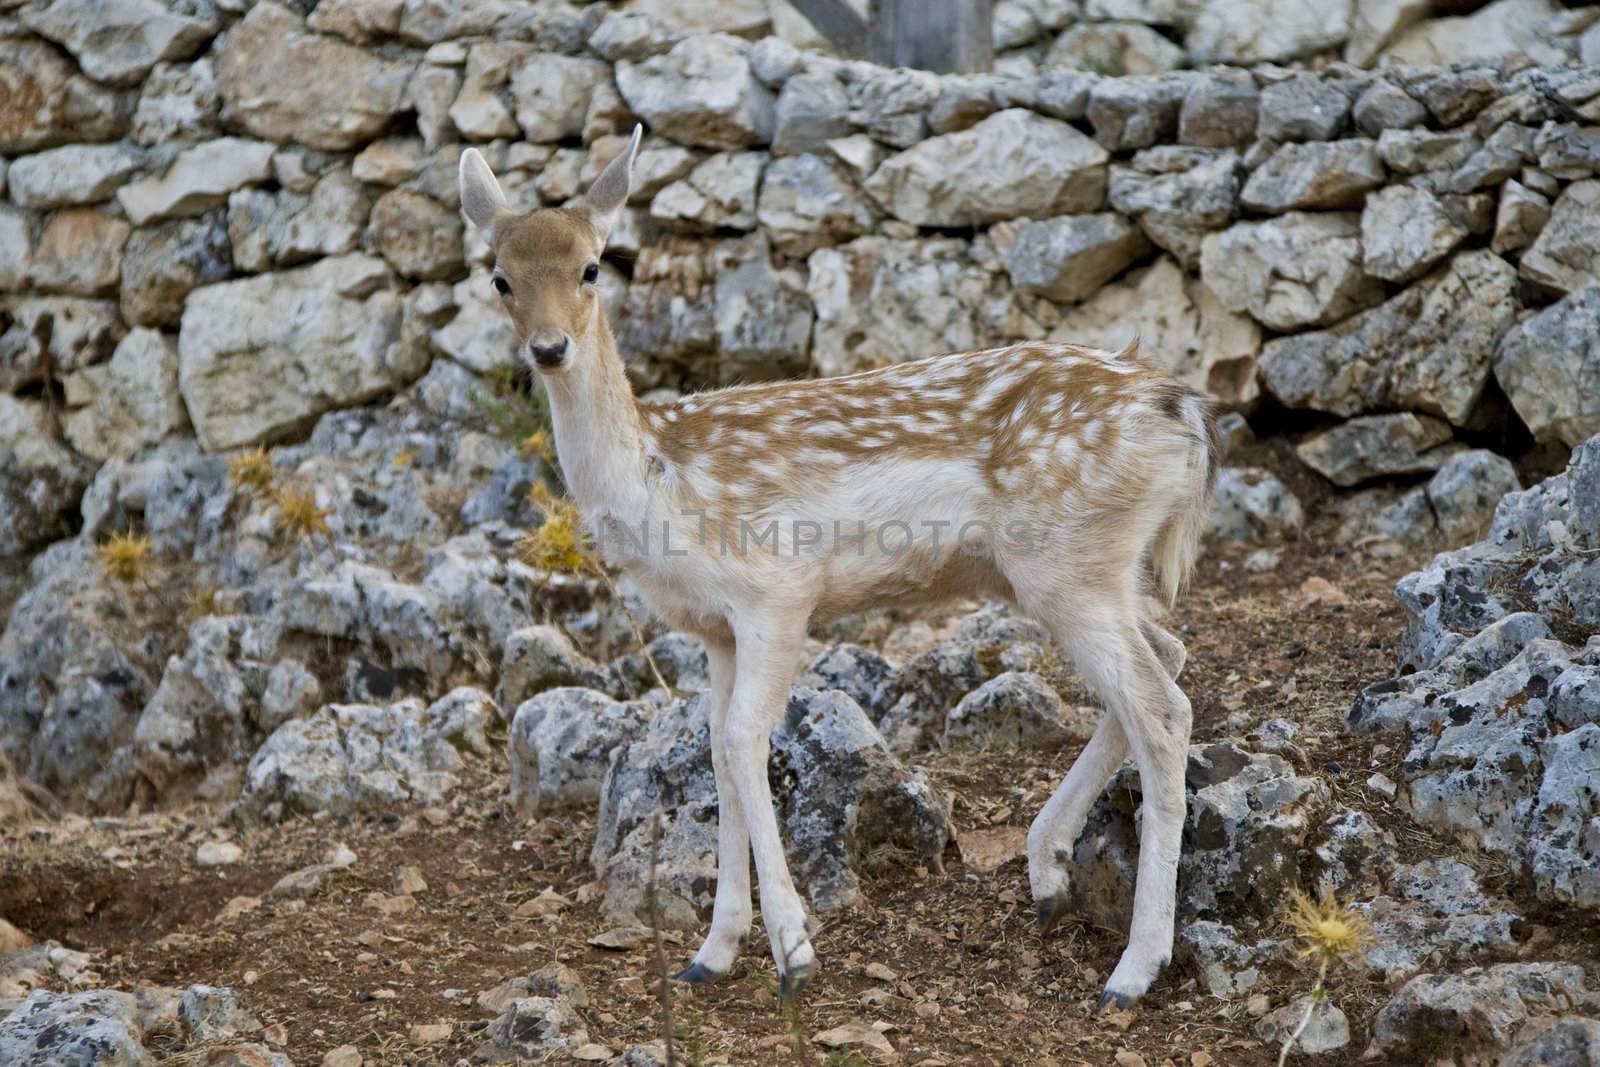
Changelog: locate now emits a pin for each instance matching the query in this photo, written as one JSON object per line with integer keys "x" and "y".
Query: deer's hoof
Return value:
{"x": 792, "y": 983}
{"x": 1049, "y": 912}
{"x": 1119, "y": 1000}
{"x": 697, "y": 974}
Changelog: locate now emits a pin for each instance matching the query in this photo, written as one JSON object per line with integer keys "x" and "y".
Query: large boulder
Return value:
{"x": 101, "y": 1028}
{"x": 282, "y": 83}
{"x": 1549, "y": 366}
{"x": 1013, "y": 163}
{"x": 261, "y": 358}
{"x": 1427, "y": 349}
{"x": 700, "y": 93}
{"x": 847, "y": 798}
{"x": 1293, "y": 271}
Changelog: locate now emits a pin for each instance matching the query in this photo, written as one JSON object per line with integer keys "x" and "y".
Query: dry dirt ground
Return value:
{"x": 971, "y": 983}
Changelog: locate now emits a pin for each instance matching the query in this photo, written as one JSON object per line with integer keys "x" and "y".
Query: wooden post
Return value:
{"x": 944, "y": 36}
{"x": 838, "y": 22}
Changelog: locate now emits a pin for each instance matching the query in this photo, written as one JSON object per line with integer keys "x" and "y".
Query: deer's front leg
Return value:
{"x": 768, "y": 650}
{"x": 731, "y": 913}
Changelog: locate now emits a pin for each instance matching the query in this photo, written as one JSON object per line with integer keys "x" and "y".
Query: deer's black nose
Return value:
{"x": 549, "y": 355}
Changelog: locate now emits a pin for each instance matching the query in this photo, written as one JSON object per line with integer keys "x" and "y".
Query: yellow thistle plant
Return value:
{"x": 252, "y": 471}
{"x": 1329, "y": 932}
{"x": 125, "y": 557}
{"x": 538, "y": 443}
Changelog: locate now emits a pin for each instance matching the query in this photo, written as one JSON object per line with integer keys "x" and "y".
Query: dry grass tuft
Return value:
{"x": 557, "y": 544}
{"x": 126, "y": 557}
{"x": 252, "y": 471}
{"x": 299, "y": 514}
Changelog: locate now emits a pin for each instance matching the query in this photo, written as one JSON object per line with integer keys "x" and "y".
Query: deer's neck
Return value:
{"x": 597, "y": 431}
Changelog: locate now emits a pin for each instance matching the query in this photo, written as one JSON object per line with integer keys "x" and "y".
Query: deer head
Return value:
{"x": 547, "y": 262}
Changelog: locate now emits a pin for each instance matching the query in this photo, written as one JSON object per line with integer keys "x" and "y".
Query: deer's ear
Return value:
{"x": 609, "y": 192}
{"x": 481, "y": 197}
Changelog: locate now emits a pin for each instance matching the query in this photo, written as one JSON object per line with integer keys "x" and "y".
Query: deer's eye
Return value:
{"x": 591, "y": 273}
{"x": 502, "y": 286}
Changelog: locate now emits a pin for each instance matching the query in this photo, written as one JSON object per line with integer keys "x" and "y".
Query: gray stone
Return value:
{"x": 763, "y": 314}
{"x": 1070, "y": 257}
{"x": 1253, "y": 31}
{"x": 261, "y": 358}
{"x": 561, "y": 744}
{"x": 1566, "y": 256}
{"x": 964, "y": 100}
{"x": 1326, "y": 1031}
{"x": 74, "y": 174}
{"x": 1181, "y": 327}
{"x": 552, "y": 94}
{"x": 1422, "y": 151}
{"x": 1009, "y": 710}
{"x": 118, "y": 41}
{"x": 1376, "y": 23}
{"x": 1229, "y": 966}
{"x": 1137, "y": 112}
{"x": 1289, "y": 272}
{"x": 161, "y": 264}
{"x": 1569, "y": 1041}
{"x": 1404, "y": 232}
{"x": 211, "y": 1013}
{"x": 1332, "y": 174}
{"x": 1464, "y": 492}
{"x": 1013, "y": 163}
{"x": 281, "y": 83}
{"x": 1502, "y": 156}
{"x": 1427, "y": 349}
{"x": 1178, "y": 195}
{"x": 1384, "y": 106}
{"x": 419, "y": 237}
{"x": 199, "y": 179}
{"x": 891, "y": 105}
{"x": 1568, "y": 151}
{"x": 1303, "y": 107}
{"x": 1376, "y": 446}
{"x": 100, "y": 1028}
{"x": 67, "y": 331}
{"x": 177, "y": 102}
{"x": 1220, "y": 110}
{"x": 16, "y": 248}
{"x": 1502, "y": 28}
{"x": 806, "y": 203}
{"x": 924, "y": 691}
{"x": 50, "y": 102}
{"x": 1481, "y": 1008}
{"x": 1456, "y": 95}
{"x": 1251, "y": 504}
{"x": 538, "y": 658}
{"x": 1115, "y": 49}
{"x": 859, "y": 673}
{"x": 1519, "y": 218}
{"x": 132, "y": 401}
{"x": 79, "y": 252}
{"x": 720, "y": 193}
{"x": 40, "y": 478}
{"x": 700, "y": 93}
{"x": 1549, "y": 366}
{"x": 810, "y": 112}
{"x": 349, "y": 758}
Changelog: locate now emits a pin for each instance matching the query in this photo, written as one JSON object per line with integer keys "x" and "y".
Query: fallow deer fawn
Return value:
{"x": 1057, "y": 477}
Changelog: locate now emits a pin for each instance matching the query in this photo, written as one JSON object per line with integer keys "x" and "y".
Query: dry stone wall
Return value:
{"x": 225, "y": 219}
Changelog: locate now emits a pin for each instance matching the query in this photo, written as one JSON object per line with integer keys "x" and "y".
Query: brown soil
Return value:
{"x": 334, "y": 969}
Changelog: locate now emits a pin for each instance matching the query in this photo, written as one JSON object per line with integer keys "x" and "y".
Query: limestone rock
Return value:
{"x": 1480, "y": 1010}
{"x": 1383, "y": 106}
{"x": 1321, "y": 174}
{"x": 1137, "y": 112}
{"x": 80, "y": 252}
{"x": 811, "y": 110}
{"x": 1327, "y": 1031}
{"x": 129, "y": 402}
{"x": 40, "y": 478}
{"x": 1071, "y": 257}
{"x": 1292, "y": 271}
{"x": 1405, "y": 231}
{"x": 538, "y": 658}
{"x": 100, "y": 1028}
{"x": 552, "y": 94}
{"x": 1252, "y": 504}
{"x": 420, "y": 238}
{"x": 1012, "y": 709}
{"x": 1181, "y": 326}
{"x": 880, "y": 301}
{"x": 1427, "y": 349}
{"x": 178, "y": 101}
{"x": 719, "y": 193}
{"x": 763, "y": 314}
{"x": 50, "y": 103}
{"x": 1566, "y": 256}
{"x": 118, "y": 41}
{"x": 1549, "y": 366}
{"x": 1376, "y": 446}
{"x": 1519, "y": 219}
{"x": 1306, "y": 106}
{"x": 161, "y": 264}
{"x": 561, "y": 744}
{"x": 1219, "y": 110}
{"x": 1489, "y": 33}
{"x": 261, "y": 358}
{"x": 282, "y": 83}
{"x": 1116, "y": 49}
{"x": 806, "y": 203}
{"x": 1254, "y": 31}
{"x": 1569, "y": 1041}
{"x": 700, "y": 93}
{"x": 74, "y": 174}
{"x": 1376, "y": 23}
{"x": 1013, "y": 163}
{"x": 1178, "y": 195}
{"x": 1464, "y": 492}
{"x": 198, "y": 180}
{"x": 632, "y": 35}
